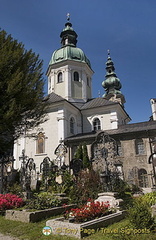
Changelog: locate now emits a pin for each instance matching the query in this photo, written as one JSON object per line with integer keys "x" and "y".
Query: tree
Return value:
{"x": 86, "y": 162}
{"x": 82, "y": 153}
{"x": 21, "y": 90}
{"x": 79, "y": 152}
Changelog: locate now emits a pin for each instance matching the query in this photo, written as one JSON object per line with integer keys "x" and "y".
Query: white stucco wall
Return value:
{"x": 64, "y": 88}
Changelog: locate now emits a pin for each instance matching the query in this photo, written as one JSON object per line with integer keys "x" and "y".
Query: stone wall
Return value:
{"x": 26, "y": 216}
{"x": 64, "y": 227}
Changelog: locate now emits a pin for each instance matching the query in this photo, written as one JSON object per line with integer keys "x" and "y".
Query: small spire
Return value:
{"x": 68, "y": 35}
{"x": 112, "y": 84}
{"x": 68, "y": 17}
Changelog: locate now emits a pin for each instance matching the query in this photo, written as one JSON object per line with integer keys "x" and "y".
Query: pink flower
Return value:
{"x": 8, "y": 201}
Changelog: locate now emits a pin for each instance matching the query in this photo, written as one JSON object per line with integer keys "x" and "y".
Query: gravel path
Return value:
{"x": 3, "y": 237}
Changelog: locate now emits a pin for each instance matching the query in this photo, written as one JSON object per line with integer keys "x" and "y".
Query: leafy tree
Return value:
{"x": 21, "y": 90}
{"x": 82, "y": 153}
{"x": 79, "y": 152}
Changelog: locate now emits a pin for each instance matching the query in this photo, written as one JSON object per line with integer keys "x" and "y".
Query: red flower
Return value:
{"x": 8, "y": 201}
{"x": 89, "y": 211}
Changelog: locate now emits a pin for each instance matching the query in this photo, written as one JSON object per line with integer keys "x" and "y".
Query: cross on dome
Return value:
{"x": 68, "y": 16}
{"x": 108, "y": 51}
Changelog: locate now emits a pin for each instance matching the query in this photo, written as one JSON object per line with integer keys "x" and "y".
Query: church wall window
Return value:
{"x": 60, "y": 77}
{"x": 139, "y": 147}
{"x": 40, "y": 144}
{"x": 76, "y": 76}
{"x": 96, "y": 124}
{"x": 143, "y": 178}
{"x": 72, "y": 125}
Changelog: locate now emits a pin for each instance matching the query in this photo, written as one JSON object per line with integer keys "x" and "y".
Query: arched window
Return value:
{"x": 143, "y": 178}
{"x": 96, "y": 124}
{"x": 76, "y": 76}
{"x": 72, "y": 124}
{"x": 59, "y": 77}
{"x": 40, "y": 146}
{"x": 139, "y": 147}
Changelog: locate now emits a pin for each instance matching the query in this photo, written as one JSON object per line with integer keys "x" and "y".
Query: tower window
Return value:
{"x": 139, "y": 147}
{"x": 96, "y": 124}
{"x": 40, "y": 146}
{"x": 72, "y": 124}
{"x": 60, "y": 79}
{"x": 76, "y": 76}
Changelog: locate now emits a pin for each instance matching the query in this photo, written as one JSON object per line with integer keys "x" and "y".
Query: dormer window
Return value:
{"x": 76, "y": 76}
{"x": 59, "y": 78}
{"x": 96, "y": 124}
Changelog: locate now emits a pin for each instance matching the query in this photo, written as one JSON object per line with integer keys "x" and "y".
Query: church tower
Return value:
{"x": 69, "y": 72}
{"x": 112, "y": 84}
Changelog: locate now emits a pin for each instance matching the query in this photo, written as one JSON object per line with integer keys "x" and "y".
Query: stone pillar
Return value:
{"x": 60, "y": 119}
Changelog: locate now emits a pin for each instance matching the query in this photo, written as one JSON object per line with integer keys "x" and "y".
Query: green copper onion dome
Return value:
{"x": 112, "y": 84}
{"x": 69, "y": 51}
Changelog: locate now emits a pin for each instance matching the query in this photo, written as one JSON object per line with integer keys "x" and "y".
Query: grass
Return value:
{"x": 31, "y": 231}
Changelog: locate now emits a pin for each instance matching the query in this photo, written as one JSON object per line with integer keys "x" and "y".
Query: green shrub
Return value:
{"x": 16, "y": 188}
{"x": 140, "y": 215}
{"x": 65, "y": 187}
{"x": 42, "y": 201}
{"x": 149, "y": 198}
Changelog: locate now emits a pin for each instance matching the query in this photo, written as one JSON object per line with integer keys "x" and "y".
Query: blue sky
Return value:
{"x": 126, "y": 27}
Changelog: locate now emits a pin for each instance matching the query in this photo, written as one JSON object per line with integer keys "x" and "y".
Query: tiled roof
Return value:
{"x": 122, "y": 129}
{"x": 92, "y": 103}
{"x": 134, "y": 127}
{"x": 97, "y": 102}
{"x": 53, "y": 97}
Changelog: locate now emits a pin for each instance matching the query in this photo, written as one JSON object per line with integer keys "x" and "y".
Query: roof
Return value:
{"x": 92, "y": 103}
{"x": 97, "y": 102}
{"x": 69, "y": 53}
{"x": 134, "y": 127}
{"x": 123, "y": 129}
{"x": 53, "y": 97}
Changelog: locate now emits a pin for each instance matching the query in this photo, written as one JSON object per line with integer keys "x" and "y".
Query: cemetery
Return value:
{"x": 77, "y": 200}
{"x": 78, "y": 169}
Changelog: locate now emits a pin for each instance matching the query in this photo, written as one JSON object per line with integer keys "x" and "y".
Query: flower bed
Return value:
{"x": 9, "y": 201}
{"x": 64, "y": 227}
{"x": 88, "y": 212}
{"x": 83, "y": 221}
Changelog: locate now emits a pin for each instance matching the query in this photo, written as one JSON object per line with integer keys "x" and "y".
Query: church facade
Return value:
{"x": 75, "y": 117}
